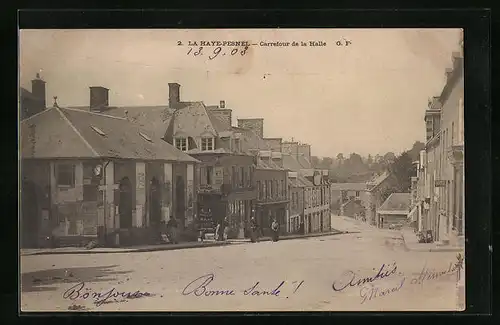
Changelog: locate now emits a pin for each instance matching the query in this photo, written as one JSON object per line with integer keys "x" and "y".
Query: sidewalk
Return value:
{"x": 145, "y": 248}
{"x": 286, "y": 237}
{"x": 411, "y": 243}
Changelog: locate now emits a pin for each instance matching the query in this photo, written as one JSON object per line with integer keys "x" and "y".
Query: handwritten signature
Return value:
{"x": 348, "y": 278}
{"x": 79, "y": 291}
{"x": 369, "y": 291}
{"x": 199, "y": 287}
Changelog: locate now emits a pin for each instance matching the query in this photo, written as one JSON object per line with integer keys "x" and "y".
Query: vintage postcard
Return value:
{"x": 241, "y": 170}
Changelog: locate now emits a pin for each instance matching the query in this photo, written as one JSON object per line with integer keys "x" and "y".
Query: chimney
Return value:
{"x": 99, "y": 98}
{"x": 38, "y": 89}
{"x": 222, "y": 104}
{"x": 174, "y": 95}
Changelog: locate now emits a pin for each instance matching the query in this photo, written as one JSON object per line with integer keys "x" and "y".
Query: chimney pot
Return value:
{"x": 222, "y": 104}
{"x": 174, "y": 96}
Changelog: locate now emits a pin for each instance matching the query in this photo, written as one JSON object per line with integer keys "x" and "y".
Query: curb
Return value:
{"x": 127, "y": 250}
{"x": 168, "y": 248}
{"x": 432, "y": 249}
{"x": 262, "y": 239}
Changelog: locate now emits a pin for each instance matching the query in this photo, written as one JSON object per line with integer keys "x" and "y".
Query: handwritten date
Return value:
{"x": 212, "y": 54}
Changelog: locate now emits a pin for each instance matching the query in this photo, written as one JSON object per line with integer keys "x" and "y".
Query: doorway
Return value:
{"x": 29, "y": 206}
{"x": 125, "y": 203}
{"x": 180, "y": 198}
{"x": 155, "y": 203}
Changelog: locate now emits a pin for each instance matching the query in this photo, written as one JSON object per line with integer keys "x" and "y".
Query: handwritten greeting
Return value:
{"x": 80, "y": 291}
{"x": 199, "y": 287}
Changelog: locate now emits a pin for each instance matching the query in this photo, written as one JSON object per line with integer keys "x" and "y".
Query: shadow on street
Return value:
{"x": 46, "y": 279}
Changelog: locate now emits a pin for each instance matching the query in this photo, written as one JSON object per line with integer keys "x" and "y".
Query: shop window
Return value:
{"x": 66, "y": 175}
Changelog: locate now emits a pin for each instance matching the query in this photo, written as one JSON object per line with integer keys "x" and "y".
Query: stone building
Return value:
{"x": 441, "y": 168}
{"x": 88, "y": 175}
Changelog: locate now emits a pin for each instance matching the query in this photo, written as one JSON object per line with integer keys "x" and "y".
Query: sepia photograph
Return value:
{"x": 226, "y": 170}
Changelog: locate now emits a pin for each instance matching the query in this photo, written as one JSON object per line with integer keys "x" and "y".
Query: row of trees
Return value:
{"x": 356, "y": 168}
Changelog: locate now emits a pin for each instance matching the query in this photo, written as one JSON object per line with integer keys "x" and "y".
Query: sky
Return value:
{"x": 368, "y": 97}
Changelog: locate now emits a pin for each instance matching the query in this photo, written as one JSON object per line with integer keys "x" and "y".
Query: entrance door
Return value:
{"x": 180, "y": 198}
{"x": 155, "y": 203}
{"x": 125, "y": 205}
{"x": 29, "y": 206}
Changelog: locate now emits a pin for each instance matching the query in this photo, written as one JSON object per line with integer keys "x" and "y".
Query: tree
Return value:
{"x": 326, "y": 162}
{"x": 402, "y": 170}
{"x": 315, "y": 161}
{"x": 389, "y": 157}
{"x": 415, "y": 150}
{"x": 340, "y": 159}
{"x": 369, "y": 160}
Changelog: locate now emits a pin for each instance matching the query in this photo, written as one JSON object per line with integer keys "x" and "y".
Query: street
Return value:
{"x": 241, "y": 277}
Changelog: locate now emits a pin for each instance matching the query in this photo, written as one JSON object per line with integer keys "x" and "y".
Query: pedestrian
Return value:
{"x": 275, "y": 230}
{"x": 301, "y": 228}
{"x": 225, "y": 231}
{"x": 254, "y": 228}
{"x": 217, "y": 231}
{"x": 172, "y": 230}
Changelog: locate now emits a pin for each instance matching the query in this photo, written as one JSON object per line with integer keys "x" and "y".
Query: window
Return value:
{"x": 210, "y": 171}
{"x": 207, "y": 144}
{"x": 264, "y": 190}
{"x": 283, "y": 189}
{"x": 234, "y": 176}
{"x": 276, "y": 193}
{"x": 357, "y": 193}
{"x": 259, "y": 190}
{"x": 181, "y": 144}
{"x": 66, "y": 175}
{"x": 242, "y": 177}
{"x": 270, "y": 186}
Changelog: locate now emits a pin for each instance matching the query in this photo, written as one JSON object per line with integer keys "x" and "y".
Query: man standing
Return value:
{"x": 254, "y": 228}
{"x": 225, "y": 229}
{"x": 275, "y": 230}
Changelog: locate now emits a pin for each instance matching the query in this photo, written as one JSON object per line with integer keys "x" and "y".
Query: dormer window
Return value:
{"x": 207, "y": 144}
{"x": 181, "y": 144}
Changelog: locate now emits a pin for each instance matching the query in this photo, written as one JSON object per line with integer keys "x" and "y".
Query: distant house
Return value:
{"x": 342, "y": 194}
{"x": 92, "y": 176}
{"x": 394, "y": 211}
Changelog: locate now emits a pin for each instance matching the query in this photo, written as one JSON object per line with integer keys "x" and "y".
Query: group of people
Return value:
{"x": 255, "y": 230}
{"x": 169, "y": 231}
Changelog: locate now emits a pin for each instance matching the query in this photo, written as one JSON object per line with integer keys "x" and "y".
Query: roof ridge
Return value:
{"x": 94, "y": 113}
{"x": 65, "y": 118}
{"x": 39, "y": 113}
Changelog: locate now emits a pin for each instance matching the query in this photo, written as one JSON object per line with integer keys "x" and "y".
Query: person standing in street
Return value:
{"x": 275, "y": 230}
{"x": 225, "y": 229}
{"x": 172, "y": 230}
{"x": 254, "y": 228}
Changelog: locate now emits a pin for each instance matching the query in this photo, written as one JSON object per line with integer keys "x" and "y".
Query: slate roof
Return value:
{"x": 218, "y": 123}
{"x": 261, "y": 164}
{"x": 76, "y": 133}
{"x": 190, "y": 119}
{"x": 396, "y": 203}
{"x": 289, "y": 162}
{"x": 349, "y": 186}
{"x": 25, "y": 93}
{"x": 151, "y": 118}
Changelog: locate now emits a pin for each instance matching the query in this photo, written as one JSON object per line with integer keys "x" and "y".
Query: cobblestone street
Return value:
{"x": 308, "y": 268}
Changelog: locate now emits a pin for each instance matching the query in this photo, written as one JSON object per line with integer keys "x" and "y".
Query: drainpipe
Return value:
{"x": 105, "y": 203}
